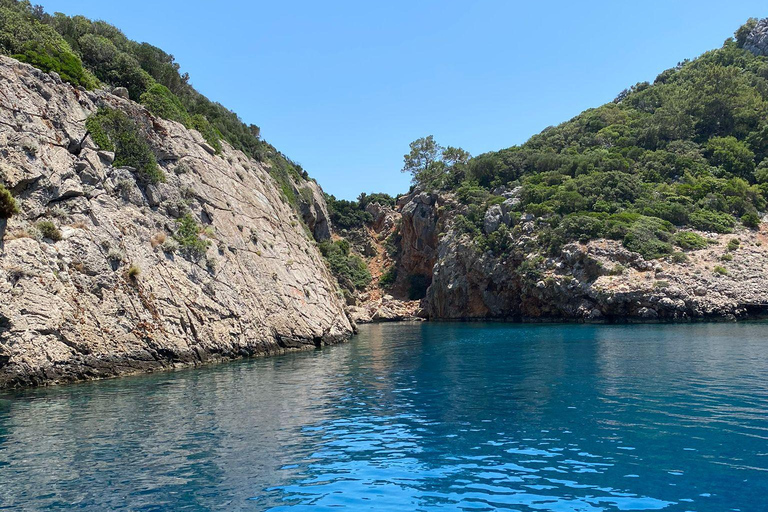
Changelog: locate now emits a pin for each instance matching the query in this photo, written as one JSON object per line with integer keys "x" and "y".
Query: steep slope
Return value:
{"x": 109, "y": 270}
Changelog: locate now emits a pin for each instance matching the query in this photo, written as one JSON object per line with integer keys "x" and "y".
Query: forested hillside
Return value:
{"x": 686, "y": 151}
{"x": 94, "y": 53}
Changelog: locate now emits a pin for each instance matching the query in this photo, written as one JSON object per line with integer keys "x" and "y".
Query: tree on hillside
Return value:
{"x": 430, "y": 164}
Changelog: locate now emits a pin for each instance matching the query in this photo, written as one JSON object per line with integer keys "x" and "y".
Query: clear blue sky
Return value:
{"x": 343, "y": 86}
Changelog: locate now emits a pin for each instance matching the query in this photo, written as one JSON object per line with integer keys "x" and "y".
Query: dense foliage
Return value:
{"x": 352, "y": 214}
{"x": 85, "y": 52}
{"x": 113, "y": 130}
{"x": 349, "y": 269}
{"x": 688, "y": 150}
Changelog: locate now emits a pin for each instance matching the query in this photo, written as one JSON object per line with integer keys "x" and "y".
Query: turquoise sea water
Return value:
{"x": 406, "y": 417}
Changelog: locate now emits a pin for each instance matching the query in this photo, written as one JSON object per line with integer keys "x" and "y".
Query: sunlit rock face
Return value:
{"x": 757, "y": 40}
{"x": 114, "y": 295}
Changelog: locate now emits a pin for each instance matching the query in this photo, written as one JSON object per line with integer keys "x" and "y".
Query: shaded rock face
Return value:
{"x": 419, "y": 232}
{"x": 314, "y": 210}
{"x": 757, "y": 40}
{"x": 113, "y": 296}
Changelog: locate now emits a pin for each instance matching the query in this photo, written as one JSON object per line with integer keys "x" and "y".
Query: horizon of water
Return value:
{"x": 471, "y": 417}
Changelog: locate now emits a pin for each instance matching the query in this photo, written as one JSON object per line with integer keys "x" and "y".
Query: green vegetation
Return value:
{"x": 720, "y": 270}
{"x": 348, "y": 268}
{"x": 351, "y": 214}
{"x": 25, "y": 37}
{"x": 163, "y": 103}
{"x": 688, "y": 150}
{"x": 389, "y": 277}
{"x": 432, "y": 165}
{"x": 690, "y": 241}
{"x": 188, "y": 236}
{"x": 8, "y": 206}
{"x": 113, "y": 130}
{"x": 750, "y": 220}
{"x": 733, "y": 244}
{"x": 133, "y": 272}
{"x": 48, "y": 230}
{"x": 89, "y": 53}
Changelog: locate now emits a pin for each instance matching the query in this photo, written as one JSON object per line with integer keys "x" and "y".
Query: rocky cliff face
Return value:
{"x": 597, "y": 281}
{"x": 114, "y": 295}
{"x": 757, "y": 40}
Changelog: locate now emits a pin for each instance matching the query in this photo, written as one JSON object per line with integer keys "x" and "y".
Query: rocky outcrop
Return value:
{"x": 108, "y": 291}
{"x": 314, "y": 210}
{"x": 386, "y": 309}
{"x": 597, "y": 281}
{"x": 601, "y": 281}
{"x": 757, "y": 40}
{"x": 419, "y": 232}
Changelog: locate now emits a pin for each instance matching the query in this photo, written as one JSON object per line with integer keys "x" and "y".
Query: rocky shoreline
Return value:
{"x": 93, "y": 281}
{"x": 599, "y": 281}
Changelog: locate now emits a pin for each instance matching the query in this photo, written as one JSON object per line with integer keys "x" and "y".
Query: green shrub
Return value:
{"x": 618, "y": 269}
{"x": 163, "y": 103}
{"x": 113, "y": 130}
{"x": 347, "y": 214}
{"x": 530, "y": 270}
{"x": 650, "y": 237}
{"x": 188, "y": 236}
{"x": 211, "y": 135}
{"x": 750, "y": 220}
{"x": 690, "y": 241}
{"x": 720, "y": 270}
{"x": 345, "y": 266}
{"x": 708, "y": 220}
{"x": 733, "y": 244}
{"x": 389, "y": 277}
{"x": 8, "y": 206}
{"x": 28, "y": 40}
{"x": 726, "y": 257}
{"x": 48, "y": 230}
{"x": 499, "y": 242}
{"x": 732, "y": 155}
{"x": 678, "y": 257}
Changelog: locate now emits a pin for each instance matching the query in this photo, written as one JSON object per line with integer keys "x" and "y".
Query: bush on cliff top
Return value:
{"x": 27, "y": 39}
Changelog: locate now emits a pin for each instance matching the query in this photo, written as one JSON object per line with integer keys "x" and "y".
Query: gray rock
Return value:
{"x": 68, "y": 310}
{"x": 121, "y": 92}
{"x": 493, "y": 219}
{"x": 314, "y": 211}
{"x": 107, "y": 156}
{"x": 757, "y": 40}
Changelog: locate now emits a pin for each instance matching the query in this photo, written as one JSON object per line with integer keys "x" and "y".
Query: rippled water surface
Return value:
{"x": 415, "y": 417}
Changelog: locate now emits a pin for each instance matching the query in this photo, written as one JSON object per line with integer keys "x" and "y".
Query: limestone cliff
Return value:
{"x": 115, "y": 295}
{"x": 597, "y": 281}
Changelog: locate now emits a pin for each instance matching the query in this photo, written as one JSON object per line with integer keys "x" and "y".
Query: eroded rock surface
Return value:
{"x": 597, "y": 281}
{"x": 113, "y": 296}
